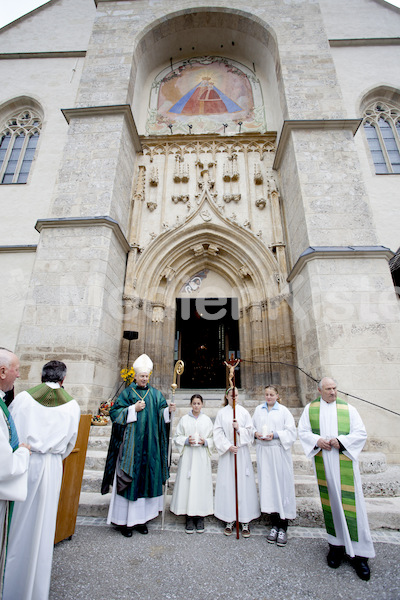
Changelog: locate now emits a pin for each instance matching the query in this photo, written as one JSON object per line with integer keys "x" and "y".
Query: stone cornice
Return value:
{"x": 85, "y": 222}
{"x": 19, "y": 248}
{"x": 339, "y": 43}
{"x": 27, "y": 55}
{"x": 322, "y": 252}
{"x": 289, "y": 126}
{"x": 185, "y": 138}
{"x": 102, "y": 111}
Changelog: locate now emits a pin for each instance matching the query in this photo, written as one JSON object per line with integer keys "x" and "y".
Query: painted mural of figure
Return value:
{"x": 205, "y": 99}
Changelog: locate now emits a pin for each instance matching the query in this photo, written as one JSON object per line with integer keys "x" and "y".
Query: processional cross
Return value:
{"x": 231, "y": 365}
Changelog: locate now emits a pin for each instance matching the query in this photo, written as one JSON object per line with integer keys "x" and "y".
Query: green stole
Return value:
{"x": 47, "y": 396}
{"x": 346, "y": 471}
{"x": 14, "y": 443}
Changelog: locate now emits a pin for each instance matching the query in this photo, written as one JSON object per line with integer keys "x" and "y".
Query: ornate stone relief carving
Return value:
{"x": 232, "y": 198}
{"x": 169, "y": 274}
{"x": 210, "y": 249}
{"x": 158, "y": 313}
{"x": 153, "y": 180}
{"x": 258, "y": 176}
{"x": 230, "y": 169}
{"x": 181, "y": 198}
{"x": 181, "y": 172}
{"x": 266, "y": 188}
{"x": 139, "y": 193}
{"x": 244, "y": 272}
{"x": 261, "y": 202}
{"x": 206, "y": 215}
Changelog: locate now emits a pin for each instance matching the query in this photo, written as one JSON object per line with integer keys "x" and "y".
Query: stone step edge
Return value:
{"x": 305, "y": 484}
{"x": 383, "y": 513}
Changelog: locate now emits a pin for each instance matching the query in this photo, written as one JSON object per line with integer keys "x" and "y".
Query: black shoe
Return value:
{"x": 189, "y": 528}
{"x": 335, "y": 556}
{"x": 141, "y": 528}
{"x": 126, "y": 531}
{"x": 200, "y": 525}
{"x": 361, "y": 567}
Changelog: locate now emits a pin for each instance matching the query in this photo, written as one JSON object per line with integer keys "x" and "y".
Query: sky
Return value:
{"x": 11, "y": 10}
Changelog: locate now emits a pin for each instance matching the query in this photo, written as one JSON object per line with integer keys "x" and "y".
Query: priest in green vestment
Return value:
{"x": 137, "y": 460}
{"x": 332, "y": 433}
{"x": 14, "y": 456}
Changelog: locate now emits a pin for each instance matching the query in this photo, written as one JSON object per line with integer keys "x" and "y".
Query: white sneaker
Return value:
{"x": 273, "y": 534}
{"x": 245, "y": 530}
{"x": 281, "y": 538}
{"x": 229, "y": 528}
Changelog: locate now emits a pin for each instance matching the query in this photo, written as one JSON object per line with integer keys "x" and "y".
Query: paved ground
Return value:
{"x": 100, "y": 564}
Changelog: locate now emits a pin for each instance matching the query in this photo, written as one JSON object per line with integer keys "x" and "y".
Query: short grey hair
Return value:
{"x": 327, "y": 377}
{"x": 6, "y": 357}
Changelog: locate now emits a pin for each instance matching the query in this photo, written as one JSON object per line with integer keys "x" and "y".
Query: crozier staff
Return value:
{"x": 137, "y": 460}
{"x": 333, "y": 434}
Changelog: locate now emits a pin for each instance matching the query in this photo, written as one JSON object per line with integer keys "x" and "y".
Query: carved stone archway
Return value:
{"x": 209, "y": 240}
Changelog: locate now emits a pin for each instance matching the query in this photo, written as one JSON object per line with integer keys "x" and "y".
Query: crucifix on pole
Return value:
{"x": 231, "y": 365}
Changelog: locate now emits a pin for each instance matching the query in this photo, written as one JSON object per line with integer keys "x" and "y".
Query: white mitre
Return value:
{"x": 143, "y": 364}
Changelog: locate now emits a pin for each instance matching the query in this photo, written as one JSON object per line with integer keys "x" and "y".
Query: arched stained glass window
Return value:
{"x": 382, "y": 129}
{"x": 18, "y": 142}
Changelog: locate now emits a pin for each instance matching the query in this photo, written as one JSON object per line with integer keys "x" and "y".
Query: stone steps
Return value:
{"x": 381, "y": 482}
{"x": 383, "y": 513}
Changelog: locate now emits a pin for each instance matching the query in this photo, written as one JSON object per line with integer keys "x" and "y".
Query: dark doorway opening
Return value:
{"x": 207, "y": 334}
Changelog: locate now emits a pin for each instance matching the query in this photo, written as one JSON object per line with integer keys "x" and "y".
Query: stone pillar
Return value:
{"x": 346, "y": 315}
{"x": 73, "y": 310}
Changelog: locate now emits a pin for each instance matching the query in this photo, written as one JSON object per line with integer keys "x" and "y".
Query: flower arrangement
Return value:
{"x": 99, "y": 420}
{"x": 128, "y": 375}
{"x": 105, "y": 407}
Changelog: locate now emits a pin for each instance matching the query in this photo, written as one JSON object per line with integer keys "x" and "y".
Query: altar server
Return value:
{"x": 193, "y": 489}
{"x": 225, "y": 504}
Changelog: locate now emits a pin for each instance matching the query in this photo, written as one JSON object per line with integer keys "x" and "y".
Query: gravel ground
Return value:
{"x": 100, "y": 564}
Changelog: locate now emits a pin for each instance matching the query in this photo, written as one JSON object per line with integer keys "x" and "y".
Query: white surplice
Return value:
{"x": 225, "y": 503}
{"x": 51, "y": 433}
{"x": 13, "y": 482}
{"x": 193, "y": 489}
{"x": 353, "y": 444}
{"x": 274, "y": 460}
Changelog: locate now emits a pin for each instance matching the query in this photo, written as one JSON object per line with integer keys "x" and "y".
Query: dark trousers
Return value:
{"x": 276, "y": 521}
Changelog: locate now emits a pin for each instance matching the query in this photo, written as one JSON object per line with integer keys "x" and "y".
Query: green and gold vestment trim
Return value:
{"x": 50, "y": 397}
{"x": 346, "y": 471}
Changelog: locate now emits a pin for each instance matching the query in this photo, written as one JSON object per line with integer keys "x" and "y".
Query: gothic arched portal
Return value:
{"x": 209, "y": 255}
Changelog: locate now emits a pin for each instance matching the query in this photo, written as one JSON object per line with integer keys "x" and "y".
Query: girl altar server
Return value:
{"x": 275, "y": 434}
{"x": 225, "y": 502}
{"x": 193, "y": 490}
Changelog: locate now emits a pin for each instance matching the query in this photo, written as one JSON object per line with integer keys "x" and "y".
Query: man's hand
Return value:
{"x": 324, "y": 444}
{"x": 140, "y": 405}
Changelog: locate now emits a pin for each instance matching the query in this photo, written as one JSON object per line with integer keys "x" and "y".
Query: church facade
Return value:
{"x": 205, "y": 181}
